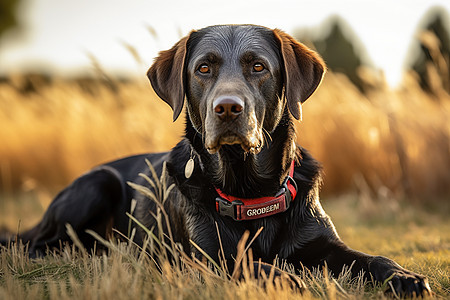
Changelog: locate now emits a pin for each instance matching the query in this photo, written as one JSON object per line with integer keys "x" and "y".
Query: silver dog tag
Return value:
{"x": 189, "y": 168}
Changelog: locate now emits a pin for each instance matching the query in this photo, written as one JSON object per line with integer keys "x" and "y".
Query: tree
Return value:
{"x": 8, "y": 17}
{"x": 430, "y": 54}
{"x": 340, "y": 48}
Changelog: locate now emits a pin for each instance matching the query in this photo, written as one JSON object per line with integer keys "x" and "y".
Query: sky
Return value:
{"x": 62, "y": 36}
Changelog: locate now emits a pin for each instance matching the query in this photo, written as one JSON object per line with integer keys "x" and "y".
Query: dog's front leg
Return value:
{"x": 241, "y": 269}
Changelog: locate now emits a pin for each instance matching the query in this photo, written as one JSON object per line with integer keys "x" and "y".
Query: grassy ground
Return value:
{"x": 417, "y": 237}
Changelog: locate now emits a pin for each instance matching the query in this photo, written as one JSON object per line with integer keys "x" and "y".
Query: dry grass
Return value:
{"x": 54, "y": 135}
{"x": 125, "y": 274}
{"x": 395, "y": 140}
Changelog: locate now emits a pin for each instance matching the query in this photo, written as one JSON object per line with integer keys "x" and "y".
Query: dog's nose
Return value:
{"x": 228, "y": 107}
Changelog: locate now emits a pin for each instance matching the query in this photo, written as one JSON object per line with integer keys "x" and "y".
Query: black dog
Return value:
{"x": 238, "y": 165}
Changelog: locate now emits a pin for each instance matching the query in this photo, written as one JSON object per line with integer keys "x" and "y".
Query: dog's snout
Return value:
{"x": 228, "y": 107}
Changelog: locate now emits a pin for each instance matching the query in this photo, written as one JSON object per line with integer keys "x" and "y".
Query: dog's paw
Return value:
{"x": 404, "y": 283}
{"x": 399, "y": 282}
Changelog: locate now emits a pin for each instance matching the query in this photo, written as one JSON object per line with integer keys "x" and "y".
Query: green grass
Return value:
{"x": 416, "y": 237}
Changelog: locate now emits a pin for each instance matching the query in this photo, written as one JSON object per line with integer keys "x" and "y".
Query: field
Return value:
{"x": 386, "y": 155}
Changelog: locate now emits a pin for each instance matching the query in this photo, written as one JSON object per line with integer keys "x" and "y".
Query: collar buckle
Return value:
{"x": 227, "y": 208}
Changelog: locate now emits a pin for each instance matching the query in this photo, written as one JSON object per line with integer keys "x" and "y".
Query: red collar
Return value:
{"x": 254, "y": 208}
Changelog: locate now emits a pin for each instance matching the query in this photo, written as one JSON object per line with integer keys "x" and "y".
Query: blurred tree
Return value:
{"x": 340, "y": 48}
{"x": 8, "y": 18}
{"x": 430, "y": 54}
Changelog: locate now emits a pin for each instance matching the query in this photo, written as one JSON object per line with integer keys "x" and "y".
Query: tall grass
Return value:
{"x": 124, "y": 272}
{"x": 53, "y": 135}
{"x": 396, "y": 140}
{"x": 121, "y": 273}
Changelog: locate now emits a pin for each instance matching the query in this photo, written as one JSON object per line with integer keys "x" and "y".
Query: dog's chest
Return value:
{"x": 264, "y": 245}
{"x": 223, "y": 233}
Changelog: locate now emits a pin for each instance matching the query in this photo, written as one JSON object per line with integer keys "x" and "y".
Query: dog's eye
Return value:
{"x": 258, "y": 67}
{"x": 204, "y": 68}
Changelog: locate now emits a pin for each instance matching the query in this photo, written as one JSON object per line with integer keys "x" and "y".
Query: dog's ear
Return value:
{"x": 303, "y": 71}
{"x": 167, "y": 76}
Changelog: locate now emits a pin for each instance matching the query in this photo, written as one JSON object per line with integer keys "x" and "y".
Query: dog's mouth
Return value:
{"x": 243, "y": 131}
{"x": 249, "y": 144}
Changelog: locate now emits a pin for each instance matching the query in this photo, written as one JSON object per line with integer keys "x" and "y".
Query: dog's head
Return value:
{"x": 237, "y": 80}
